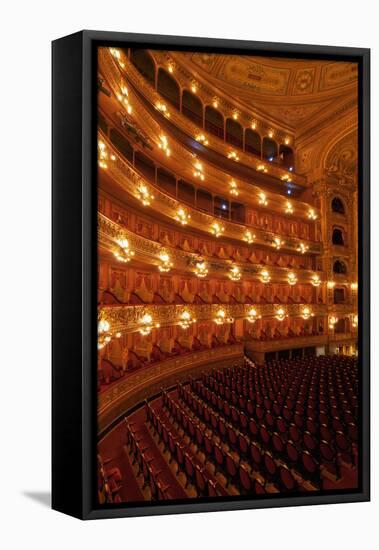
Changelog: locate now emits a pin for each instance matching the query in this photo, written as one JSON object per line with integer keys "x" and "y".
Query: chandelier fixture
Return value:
{"x": 289, "y": 208}
{"x": 233, "y": 156}
{"x": 302, "y": 248}
{"x": 221, "y": 318}
{"x": 143, "y": 194}
{"x": 123, "y": 253}
{"x": 202, "y": 139}
{"x": 164, "y": 145}
{"x": 198, "y": 171}
{"x": 287, "y": 178}
{"x": 217, "y": 229}
{"x": 147, "y": 325}
{"x": 316, "y": 281}
{"x": 104, "y": 333}
{"x": 123, "y": 97}
{"x": 262, "y": 199}
{"x": 166, "y": 263}
{"x": 186, "y": 320}
{"x": 312, "y": 214}
{"x": 235, "y": 273}
{"x": 332, "y": 321}
{"x": 354, "y": 321}
{"x": 102, "y": 155}
{"x": 354, "y": 286}
{"x": 162, "y": 107}
{"x": 306, "y": 313}
{"x": 280, "y": 314}
{"x": 262, "y": 168}
{"x": 182, "y": 217}
{"x": 248, "y": 236}
{"x": 233, "y": 188}
{"x": 201, "y": 269}
{"x": 253, "y": 315}
{"x": 277, "y": 243}
{"x": 292, "y": 279}
{"x": 265, "y": 276}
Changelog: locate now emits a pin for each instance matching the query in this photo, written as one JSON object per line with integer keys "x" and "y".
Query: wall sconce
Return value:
{"x": 233, "y": 155}
{"x": 164, "y": 145}
{"x": 198, "y": 171}
{"x": 331, "y": 284}
{"x": 332, "y": 321}
{"x": 123, "y": 253}
{"x": 253, "y": 315}
{"x": 221, "y": 318}
{"x": 182, "y": 217}
{"x": 306, "y": 313}
{"x": 143, "y": 194}
{"x": 277, "y": 243}
{"x": 162, "y": 107}
{"x": 202, "y": 139}
{"x": 104, "y": 333}
{"x": 248, "y": 236}
{"x": 354, "y": 286}
{"x": 147, "y": 324}
{"x": 186, "y": 320}
{"x": 166, "y": 264}
{"x": 316, "y": 281}
{"x": 287, "y": 178}
{"x": 289, "y": 208}
{"x": 292, "y": 279}
{"x": 312, "y": 214}
{"x": 302, "y": 248}
{"x": 233, "y": 188}
{"x": 354, "y": 321}
{"x": 280, "y": 314}
{"x": 235, "y": 273}
{"x": 102, "y": 155}
{"x": 262, "y": 168}
{"x": 217, "y": 229}
{"x": 265, "y": 276}
{"x": 201, "y": 269}
{"x": 262, "y": 199}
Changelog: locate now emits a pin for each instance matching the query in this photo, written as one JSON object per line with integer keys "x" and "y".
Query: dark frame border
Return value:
{"x": 74, "y": 289}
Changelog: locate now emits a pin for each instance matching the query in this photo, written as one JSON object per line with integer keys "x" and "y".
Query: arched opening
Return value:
{"x": 338, "y": 206}
{"x": 339, "y": 267}
{"x": 168, "y": 88}
{"x": 122, "y": 144}
{"x": 339, "y": 295}
{"x": 214, "y": 123}
{"x": 186, "y": 192}
{"x": 192, "y": 107}
{"x": 286, "y": 156}
{"x": 234, "y": 133}
{"x": 269, "y": 149}
{"x": 253, "y": 142}
{"x": 237, "y": 212}
{"x": 337, "y": 237}
{"x": 145, "y": 166}
{"x": 221, "y": 207}
{"x": 204, "y": 200}
{"x": 166, "y": 181}
{"x": 144, "y": 63}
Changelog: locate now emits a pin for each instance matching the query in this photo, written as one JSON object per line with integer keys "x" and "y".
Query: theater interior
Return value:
{"x": 227, "y": 275}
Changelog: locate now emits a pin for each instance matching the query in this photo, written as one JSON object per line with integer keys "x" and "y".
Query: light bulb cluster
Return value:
{"x": 316, "y": 281}
{"x": 103, "y": 155}
{"x": 302, "y": 248}
{"x": 262, "y": 199}
{"x": 166, "y": 263}
{"x": 265, "y": 276}
{"x": 217, "y": 229}
{"x": 307, "y": 313}
{"x": 253, "y": 315}
{"x": 147, "y": 325}
{"x": 287, "y": 178}
{"x": 292, "y": 279}
{"x": 123, "y": 97}
{"x": 162, "y": 107}
{"x": 233, "y": 190}
{"x": 332, "y": 321}
{"x": 235, "y": 273}
{"x": 233, "y": 156}
{"x": 354, "y": 321}
{"x": 143, "y": 194}
{"x": 198, "y": 171}
{"x": 248, "y": 236}
{"x": 104, "y": 333}
{"x": 163, "y": 144}
{"x": 123, "y": 252}
{"x": 262, "y": 168}
{"x": 312, "y": 214}
{"x": 186, "y": 320}
{"x": 280, "y": 314}
{"x": 117, "y": 55}
{"x": 182, "y": 216}
{"x": 201, "y": 269}
{"x": 202, "y": 139}
{"x": 289, "y": 208}
{"x": 221, "y": 318}
{"x": 277, "y": 243}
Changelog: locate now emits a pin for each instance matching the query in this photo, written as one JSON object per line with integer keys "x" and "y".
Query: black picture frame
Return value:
{"x": 74, "y": 318}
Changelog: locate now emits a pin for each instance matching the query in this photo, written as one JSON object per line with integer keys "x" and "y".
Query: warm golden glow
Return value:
{"x": 194, "y": 88}
{"x": 289, "y": 208}
{"x": 163, "y": 144}
{"x": 287, "y": 141}
{"x": 248, "y": 236}
{"x": 123, "y": 97}
{"x": 123, "y": 252}
{"x": 262, "y": 199}
{"x": 316, "y": 281}
{"x": 253, "y": 125}
{"x": 286, "y": 177}
{"x": 277, "y": 243}
{"x": 271, "y": 134}
{"x": 354, "y": 321}
{"x": 198, "y": 171}
{"x": 162, "y": 107}
{"x": 233, "y": 155}
{"x": 215, "y": 103}
{"x": 235, "y": 115}
{"x": 166, "y": 263}
{"x": 306, "y": 313}
{"x": 302, "y": 248}
{"x": 201, "y": 269}
{"x": 331, "y": 284}
{"x": 182, "y": 217}
{"x": 312, "y": 214}
{"x": 221, "y": 318}
{"x": 253, "y": 315}
{"x": 202, "y": 139}
{"x": 104, "y": 333}
{"x": 332, "y": 321}
{"x": 143, "y": 194}
{"x": 280, "y": 314}
{"x": 102, "y": 155}
{"x": 235, "y": 273}
{"x": 265, "y": 276}
{"x": 217, "y": 229}
{"x": 147, "y": 325}
{"x": 354, "y": 286}
{"x": 186, "y": 319}
{"x": 292, "y": 279}
{"x": 233, "y": 188}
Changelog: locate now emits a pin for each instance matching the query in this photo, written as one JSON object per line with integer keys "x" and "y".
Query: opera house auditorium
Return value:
{"x": 227, "y": 275}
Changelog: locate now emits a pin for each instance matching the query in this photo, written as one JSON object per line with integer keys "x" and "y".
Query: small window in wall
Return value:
{"x": 337, "y": 206}
{"x": 234, "y": 133}
{"x": 221, "y": 207}
{"x": 204, "y": 200}
{"x": 337, "y": 237}
{"x": 339, "y": 267}
{"x": 339, "y": 295}
{"x": 192, "y": 107}
{"x": 269, "y": 149}
{"x": 214, "y": 122}
{"x": 145, "y": 65}
{"x": 168, "y": 88}
{"x": 186, "y": 192}
{"x": 253, "y": 142}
